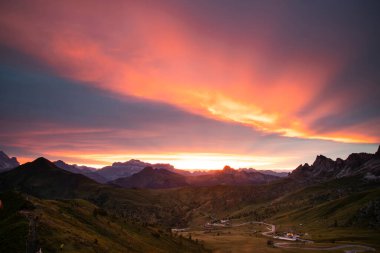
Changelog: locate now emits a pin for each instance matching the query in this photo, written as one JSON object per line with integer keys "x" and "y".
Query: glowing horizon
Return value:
{"x": 184, "y": 161}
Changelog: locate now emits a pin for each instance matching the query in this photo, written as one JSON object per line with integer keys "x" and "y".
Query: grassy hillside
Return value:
{"x": 353, "y": 218}
{"x": 44, "y": 180}
{"x": 79, "y": 226}
{"x": 13, "y": 225}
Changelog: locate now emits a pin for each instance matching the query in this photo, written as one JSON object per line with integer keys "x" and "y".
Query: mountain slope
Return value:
{"x": 42, "y": 178}
{"x": 78, "y": 226}
{"x": 13, "y": 225}
{"x": 267, "y": 172}
{"x": 229, "y": 176}
{"x": 153, "y": 179}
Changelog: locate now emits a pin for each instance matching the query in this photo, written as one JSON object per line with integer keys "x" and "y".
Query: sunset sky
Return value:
{"x": 198, "y": 84}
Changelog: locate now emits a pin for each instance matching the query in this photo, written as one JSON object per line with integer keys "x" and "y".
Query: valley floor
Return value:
{"x": 255, "y": 236}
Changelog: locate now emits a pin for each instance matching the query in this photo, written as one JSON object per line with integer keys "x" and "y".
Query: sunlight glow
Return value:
{"x": 189, "y": 161}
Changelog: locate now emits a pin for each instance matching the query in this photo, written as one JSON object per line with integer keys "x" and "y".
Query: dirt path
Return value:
{"x": 31, "y": 240}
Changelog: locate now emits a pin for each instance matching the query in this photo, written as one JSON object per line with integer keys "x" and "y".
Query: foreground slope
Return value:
{"x": 78, "y": 226}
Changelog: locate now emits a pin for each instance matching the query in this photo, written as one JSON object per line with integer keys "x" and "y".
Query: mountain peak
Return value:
{"x": 42, "y": 160}
{"x": 7, "y": 163}
{"x": 152, "y": 178}
{"x": 322, "y": 160}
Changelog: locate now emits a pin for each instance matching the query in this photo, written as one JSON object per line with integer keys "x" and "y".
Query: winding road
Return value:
{"x": 354, "y": 248}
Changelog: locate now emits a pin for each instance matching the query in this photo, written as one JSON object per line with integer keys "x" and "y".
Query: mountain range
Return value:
{"x": 118, "y": 173}
{"x": 324, "y": 169}
{"x": 334, "y": 200}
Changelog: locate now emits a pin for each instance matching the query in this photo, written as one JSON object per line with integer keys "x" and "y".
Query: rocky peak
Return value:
{"x": 357, "y": 159}
{"x": 7, "y": 163}
{"x": 377, "y": 154}
{"x": 322, "y": 160}
{"x": 132, "y": 162}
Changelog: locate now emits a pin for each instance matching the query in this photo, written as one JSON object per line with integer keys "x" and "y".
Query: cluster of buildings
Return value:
{"x": 217, "y": 223}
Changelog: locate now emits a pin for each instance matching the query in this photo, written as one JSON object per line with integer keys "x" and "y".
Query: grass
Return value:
{"x": 74, "y": 226}
{"x": 73, "y": 223}
{"x": 13, "y": 225}
{"x": 332, "y": 220}
{"x": 239, "y": 239}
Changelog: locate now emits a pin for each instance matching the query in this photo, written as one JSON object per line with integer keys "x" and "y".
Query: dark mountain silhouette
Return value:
{"x": 74, "y": 168}
{"x": 43, "y": 178}
{"x": 229, "y": 176}
{"x": 133, "y": 166}
{"x": 122, "y": 169}
{"x": 153, "y": 179}
{"x": 84, "y": 170}
{"x": 162, "y": 178}
{"x": 267, "y": 172}
{"x": 325, "y": 169}
{"x": 7, "y": 163}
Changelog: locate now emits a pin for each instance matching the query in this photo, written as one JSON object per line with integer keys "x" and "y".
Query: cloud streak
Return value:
{"x": 260, "y": 74}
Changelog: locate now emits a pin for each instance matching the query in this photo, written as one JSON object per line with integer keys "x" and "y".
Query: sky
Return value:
{"x": 198, "y": 84}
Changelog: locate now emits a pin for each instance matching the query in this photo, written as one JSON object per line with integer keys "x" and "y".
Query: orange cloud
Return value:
{"x": 135, "y": 49}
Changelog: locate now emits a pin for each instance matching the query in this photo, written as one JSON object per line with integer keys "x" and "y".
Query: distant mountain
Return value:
{"x": 84, "y": 170}
{"x": 126, "y": 169}
{"x": 152, "y": 178}
{"x": 7, "y": 163}
{"x": 74, "y": 168}
{"x": 229, "y": 176}
{"x": 267, "y": 172}
{"x": 325, "y": 169}
{"x": 163, "y": 178}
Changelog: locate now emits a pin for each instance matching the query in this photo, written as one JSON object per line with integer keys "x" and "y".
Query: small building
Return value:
{"x": 175, "y": 230}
